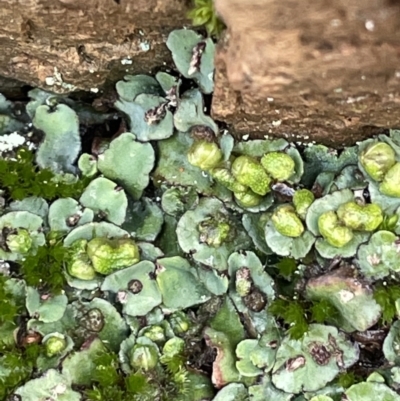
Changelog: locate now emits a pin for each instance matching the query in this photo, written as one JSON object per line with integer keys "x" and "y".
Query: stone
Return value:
{"x": 308, "y": 70}
{"x": 74, "y": 45}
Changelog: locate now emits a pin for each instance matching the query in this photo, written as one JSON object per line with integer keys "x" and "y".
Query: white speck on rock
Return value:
{"x": 145, "y": 46}
{"x": 276, "y": 123}
{"x": 50, "y": 81}
{"x": 369, "y": 25}
{"x": 126, "y": 61}
{"x": 336, "y": 23}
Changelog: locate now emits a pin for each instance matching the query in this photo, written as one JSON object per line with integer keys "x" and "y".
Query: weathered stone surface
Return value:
{"x": 78, "y": 45}
{"x": 327, "y": 71}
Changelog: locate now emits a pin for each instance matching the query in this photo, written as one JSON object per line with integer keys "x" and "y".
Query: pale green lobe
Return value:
{"x": 377, "y": 159}
{"x": 179, "y": 322}
{"x": 247, "y": 198}
{"x": 55, "y": 345}
{"x": 174, "y": 346}
{"x": 278, "y": 165}
{"x": 155, "y": 333}
{"x": 21, "y": 242}
{"x": 81, "y": 268}
{"x": 205, "y": 155}
{"x": 144, "y": 356}
{"x": 249, "y": 172}
{"x": 390, "y": 185}
{"x": 62, "y": 142}
{"x": 109, "y": 255}
{"x": 286, "y": 221}
{"x": 330, "y": 228}
{"x": 302, "y": 199}
{"x": 214, "y": 232}
{"x": 361, "y": 218}
{"x": 225, "y": 177}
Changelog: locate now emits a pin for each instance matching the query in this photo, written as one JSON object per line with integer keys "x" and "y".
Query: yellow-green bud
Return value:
{"x": 278, "y": 165}
{"x": 357, "y": 217}
{"x": 55, "y": 344}
{"x": 109, "y": 255}
{"x": 205, "y": 155}
{"x": 214, "y": 232}
{"x": 155, "y": 333}
{"x": 247, "y": 198}
{"x": 334, "y": 233}
{"x": 144, "y": 356}
{"x": 249, "y": 172}
{"x": 180, "y": 323}
{"x": 21, "y": 242}
{"x": 390, "y": 185}
{"x": 79, "y": 265}
{"x": 302, "y": 199}
{"x": 286, "y": 221}
{"x": 225, "y": 177}
{"x": 81, "y": 268}
{"x": 377, "y": 159}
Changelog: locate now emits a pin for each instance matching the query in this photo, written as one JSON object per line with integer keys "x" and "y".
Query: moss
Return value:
{"x": 21, "y": 178}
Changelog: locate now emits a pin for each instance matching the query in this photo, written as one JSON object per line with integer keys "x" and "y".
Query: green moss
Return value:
{"x": 21, "y": 178}
{"x": 386, "y": 296}
{"x": 17, "y": 365}
{"x": 45, "y": 268}
{"x": 167, "y": 382}
{"x": 293, "y": 314}
{"x": 347, "y": 379}
{"x": 8, "y": 307}
{"x": 298, "y": 314}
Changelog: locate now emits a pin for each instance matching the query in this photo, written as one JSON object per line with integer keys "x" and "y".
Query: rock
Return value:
{"x": 309, "y": 70}
{"x": 71, "y": 45}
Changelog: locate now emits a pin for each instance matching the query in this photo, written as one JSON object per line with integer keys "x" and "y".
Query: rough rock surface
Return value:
{"x": 69, "y": 45}
{"x": 327, "y": 71}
